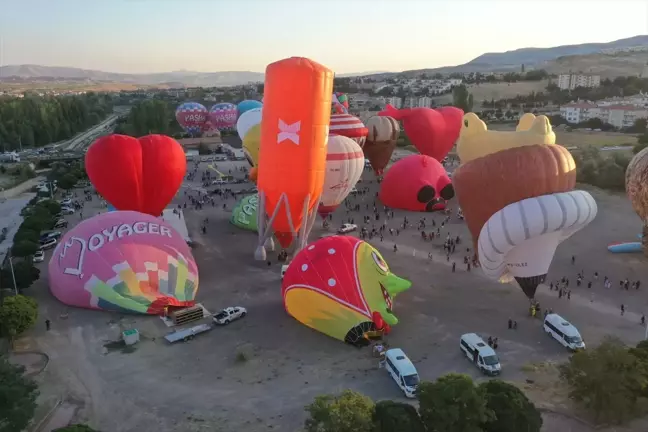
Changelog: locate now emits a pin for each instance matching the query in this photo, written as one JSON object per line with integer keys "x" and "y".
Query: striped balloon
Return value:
{"x": 348, "y": 126}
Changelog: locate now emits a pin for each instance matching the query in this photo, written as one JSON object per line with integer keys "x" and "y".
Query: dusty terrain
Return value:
{"x": 200, "y": 385}
{"x": 606, "y": 65}
{"x": 488, "y": 91}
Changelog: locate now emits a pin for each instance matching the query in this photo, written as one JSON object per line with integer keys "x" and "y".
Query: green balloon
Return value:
{"x": 244, "y": 214}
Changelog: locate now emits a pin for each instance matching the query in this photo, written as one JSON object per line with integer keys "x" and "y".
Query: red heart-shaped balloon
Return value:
{"x": 136, "y": 174}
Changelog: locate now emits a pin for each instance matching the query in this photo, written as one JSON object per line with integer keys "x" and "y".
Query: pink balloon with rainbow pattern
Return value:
{"x": 124, "y": 261}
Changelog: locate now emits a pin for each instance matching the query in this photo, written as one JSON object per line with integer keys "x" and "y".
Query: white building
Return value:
{"x": 394, "y": 101}
{"x": 571, "y": 81}
{"x": 619, "y": 116}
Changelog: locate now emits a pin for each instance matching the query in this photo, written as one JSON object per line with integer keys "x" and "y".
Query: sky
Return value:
{"x": 144, "y": 36}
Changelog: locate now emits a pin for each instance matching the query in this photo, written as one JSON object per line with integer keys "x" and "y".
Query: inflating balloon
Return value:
{"x": 636, "y": 183}
{"x": 247, "y": 121}
{"x": 223, "y": 115}
{"x": 342, "y": 286}
{"x": 136, "y": 174}
{"x": 381, "y": 141}
{"x": 348, "y": 126}
{"x": 416, "y": 183}
{"x": 192, "y": 117}
{"x": 124, "y": 262}
{"x": 244, "y": 215}
{"x": 340, "y": 103}
{"x": 344, "y": 166}
{"x": 292, "y": 155}
{"x": 432, "y": 132}
{"x": 251, "y": 143}
{"x": 515, "y": 192}
{"x": 248, "y": 105}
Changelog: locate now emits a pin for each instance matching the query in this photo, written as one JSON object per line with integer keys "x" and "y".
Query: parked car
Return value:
{"x": 347, "y": 228}
{"x": 49, "y": 244}
{"x": 61, "y": 223}
{"x": 229, "y": 314}
{"x": 67, "y": 210}
{"x": 66, "y": 202}
{"x": 39, "y": 256}
{"x": 50, "y": 235}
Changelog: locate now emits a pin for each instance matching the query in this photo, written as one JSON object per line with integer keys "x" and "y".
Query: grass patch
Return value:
{"x": 241, "y": 357}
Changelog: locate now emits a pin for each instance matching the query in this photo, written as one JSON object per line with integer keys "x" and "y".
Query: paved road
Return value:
{"x": 90, "y": 133}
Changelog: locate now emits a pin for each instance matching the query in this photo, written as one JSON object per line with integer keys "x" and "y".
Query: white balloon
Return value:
{"x": 520, "y": 240}
{"x": 344, "y": 165}
{"x": 247, "y": 121}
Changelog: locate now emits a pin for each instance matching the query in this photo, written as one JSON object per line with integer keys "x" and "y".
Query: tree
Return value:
{"x": 392, "y": 416}
{"x": 18, "y": 395}
{"x": 512, "y": 410}
{"x": 17, "y": 314}
{"x": 76, "y": 428}
{"x": 348, "y": 412}
{"x": 67, "y": 181}
{"x": 25, "y": 272}
{"x": 606, "y": 380}
{"x": 452, "y": 403}
{"x": 203, "y": 149}
{"x": 24, "y": 248}
{"x": 461, "y": 98}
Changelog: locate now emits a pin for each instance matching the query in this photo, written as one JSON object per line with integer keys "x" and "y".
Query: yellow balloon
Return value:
{"x": 476, "y": 140}
{"x": 251, "y": 143}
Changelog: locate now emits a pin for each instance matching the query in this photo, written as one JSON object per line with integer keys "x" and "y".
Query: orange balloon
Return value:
{"x": 292, "y": 153}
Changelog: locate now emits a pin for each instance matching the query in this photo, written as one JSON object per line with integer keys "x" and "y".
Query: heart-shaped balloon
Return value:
{"x": 136, "y": 174}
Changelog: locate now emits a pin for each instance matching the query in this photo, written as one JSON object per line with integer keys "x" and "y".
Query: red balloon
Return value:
{"x": 416, "y": 183}
{"x": 433, "y": 132}
{"x": 136, "y": 174}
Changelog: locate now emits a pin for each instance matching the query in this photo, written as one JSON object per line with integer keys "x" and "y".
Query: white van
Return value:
{"x": 482, "y": 355}
{"x": 563, "y": 331}
{"x": 402, "y": 371}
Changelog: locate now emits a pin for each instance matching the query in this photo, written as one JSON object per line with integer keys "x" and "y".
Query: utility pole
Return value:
{"x": 13, "y": 275}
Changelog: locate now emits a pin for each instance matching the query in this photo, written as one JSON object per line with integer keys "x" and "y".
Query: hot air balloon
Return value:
{"x": 136, "y": 174}
{"x": 381, "y": 141}
{"x": 191, "y": 116}
{"x": 342, "y": 286}
{"x": 515, "y": 191}
{"x": 636, "y": 184}
{"x": 344, "y": 166}
{"x": 340, "y": 103}
{"x": 223, "y": 116}
{"x": 244, "y": 215}
{"x": 248, "y": 105}
{"x": 349, "y": 126}
{"x": 433, "y": 132}
{"x": 123, "y": 261}
{"x": 247, "y": 121}
{"x": 293, "y": 150}
{"x": 416, "y": 183}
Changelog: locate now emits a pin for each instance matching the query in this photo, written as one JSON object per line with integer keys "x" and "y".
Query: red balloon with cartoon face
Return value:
{"x": 416, "y": 183}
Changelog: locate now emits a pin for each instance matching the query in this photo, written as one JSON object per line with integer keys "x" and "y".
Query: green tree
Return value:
{"x": 203, "y": 149}
{"x": 606, "y": 380}
{"x": 18, "y": 395}
{"x": 26, "y": 274}
{"x": 17, "y": 314}
{"x": 24, "y": 249}
{"x": 390, "y": 416}
{"x": 452, "y": 403}
{"x": 462, "y": 98}
{"x": 512, "y": 410}
{"x": 348, "y": 412}
{"x": 52, "y": 206}
{"x": 67, "y": 181}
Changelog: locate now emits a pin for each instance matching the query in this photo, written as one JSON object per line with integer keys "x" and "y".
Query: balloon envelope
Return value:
{"x": 136, "y": 174}
{"x": 223, "y": 115}
{"x": 251, "y": 144}
{"x": 348, "y": 126}
{"x": 244, "y": 215}
{"x": 383, "y": 132}
{"x": 637, "y": 185}
{"x": 191, "y": 116}
{"x": 123, "y": 261}
{"x": 248, "y": 105}
{"x": 344, "y": 166}
{"x": 416, "y": 183}
{"x": 342, "y": 286}
{"x": 247, "y": 121}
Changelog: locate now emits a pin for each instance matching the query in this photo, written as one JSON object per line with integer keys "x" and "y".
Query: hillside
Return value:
{"x": 606, "y": 65}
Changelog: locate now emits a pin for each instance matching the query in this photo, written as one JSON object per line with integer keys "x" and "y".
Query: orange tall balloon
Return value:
{"x": 292, "y": 154}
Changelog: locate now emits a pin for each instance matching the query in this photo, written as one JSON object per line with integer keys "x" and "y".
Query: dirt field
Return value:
{"x": 201, "y": 386}
{"x": 581, "y": 138}
{"x": 497, "y": 91}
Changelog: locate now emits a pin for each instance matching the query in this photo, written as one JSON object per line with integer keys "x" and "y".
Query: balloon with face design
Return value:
{"x": 416, "y": 183}
{"x": 341, "y": 286}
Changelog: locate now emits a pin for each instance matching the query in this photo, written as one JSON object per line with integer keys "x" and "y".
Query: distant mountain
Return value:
{"x": 359, "y": 74}
{"x": 185, "y": 78}
{"x": 513, "y": 60}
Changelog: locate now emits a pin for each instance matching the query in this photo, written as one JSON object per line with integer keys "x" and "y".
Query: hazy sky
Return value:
{"x": 345, "y": 35}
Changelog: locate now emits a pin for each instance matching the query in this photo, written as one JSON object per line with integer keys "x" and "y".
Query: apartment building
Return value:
{"x": 571, "y": 81}
{"x": 619, "y": 116}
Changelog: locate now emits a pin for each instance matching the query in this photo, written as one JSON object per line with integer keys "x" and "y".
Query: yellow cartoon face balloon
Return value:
{"x": 342, "y": 286}
{"x": 251, "y": 143}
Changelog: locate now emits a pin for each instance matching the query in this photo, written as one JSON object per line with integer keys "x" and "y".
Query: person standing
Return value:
{"x": 47, "y": 324}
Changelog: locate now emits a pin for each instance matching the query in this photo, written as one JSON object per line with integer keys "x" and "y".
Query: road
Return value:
{"x": 80, "y": 139}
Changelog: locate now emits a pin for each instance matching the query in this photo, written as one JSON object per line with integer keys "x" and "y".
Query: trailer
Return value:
{"x": 187, "y": 334}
